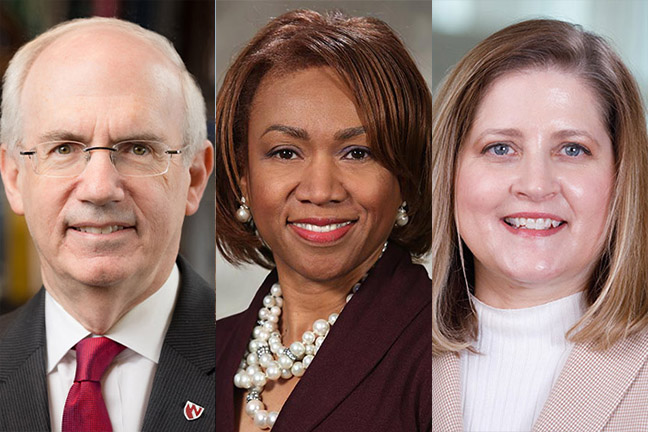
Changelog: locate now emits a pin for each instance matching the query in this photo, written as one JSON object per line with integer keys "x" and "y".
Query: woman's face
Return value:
{"x": 319, "y": 199}
{"x": 533, "y": 187}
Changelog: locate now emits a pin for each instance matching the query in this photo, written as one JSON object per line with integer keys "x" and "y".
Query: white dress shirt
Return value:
{"x": 126, "y": 385}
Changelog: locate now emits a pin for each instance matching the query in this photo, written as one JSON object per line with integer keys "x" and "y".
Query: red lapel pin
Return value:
{"x": 192, "y": 411}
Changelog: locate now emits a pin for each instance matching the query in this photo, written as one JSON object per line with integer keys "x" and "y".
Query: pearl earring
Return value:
{"x": 243, "y": 214}
{"x": 401, "y": 216}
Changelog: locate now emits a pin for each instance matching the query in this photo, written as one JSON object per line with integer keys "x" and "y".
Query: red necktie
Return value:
{"x": 85, "y": 409}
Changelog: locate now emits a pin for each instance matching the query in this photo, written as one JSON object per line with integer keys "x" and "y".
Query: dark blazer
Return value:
{"x": 185, "y": 370}
{"x": 373, "y": 372}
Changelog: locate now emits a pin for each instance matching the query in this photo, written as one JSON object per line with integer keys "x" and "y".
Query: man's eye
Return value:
{"x": 357, "y": 154}
{"x": 140, "y": 150}
{"x": 65, "y": 149}
{"x": 499, "y": 149}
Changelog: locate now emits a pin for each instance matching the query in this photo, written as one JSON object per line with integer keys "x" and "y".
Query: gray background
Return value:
{"x": 236, "y": 24}
{"x": 458, "y": 25}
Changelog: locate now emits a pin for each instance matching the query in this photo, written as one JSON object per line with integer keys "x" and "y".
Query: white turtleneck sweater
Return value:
{"x": 522, "y": 354}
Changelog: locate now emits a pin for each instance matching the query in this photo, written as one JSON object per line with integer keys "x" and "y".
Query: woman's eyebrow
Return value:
{"x": 347, "y": 134}
{"x": 570, "y": 133}
{"x": 509, "y": 132}
{"x": 289, "y": 130}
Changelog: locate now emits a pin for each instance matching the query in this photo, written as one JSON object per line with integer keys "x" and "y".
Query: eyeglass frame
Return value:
{"x": 112, "y": 149}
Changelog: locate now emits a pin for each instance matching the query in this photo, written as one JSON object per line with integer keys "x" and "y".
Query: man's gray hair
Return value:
{"x": 195, "y": 122}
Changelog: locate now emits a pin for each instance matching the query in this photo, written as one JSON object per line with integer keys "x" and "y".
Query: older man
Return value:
{"x": 104, "y": 152}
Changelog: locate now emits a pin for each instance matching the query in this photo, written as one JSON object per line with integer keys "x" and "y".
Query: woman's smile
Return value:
{"x": 321, "y": 230}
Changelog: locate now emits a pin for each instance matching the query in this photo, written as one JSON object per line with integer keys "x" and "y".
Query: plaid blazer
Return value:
{"x": 596, "y": 391}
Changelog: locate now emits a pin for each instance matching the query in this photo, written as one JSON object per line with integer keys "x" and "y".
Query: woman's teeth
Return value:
{"x": 533, "y": 224}
{"x": 322, "y": 228}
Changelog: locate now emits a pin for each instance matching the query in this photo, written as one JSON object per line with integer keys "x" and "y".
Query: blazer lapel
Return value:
{"x": 186, "y": 368}
{"x": 24, "y": 404}
{"x": 591, "y": 385}
{"x": 357, "y": 342}
{"x": 447, "y": 413}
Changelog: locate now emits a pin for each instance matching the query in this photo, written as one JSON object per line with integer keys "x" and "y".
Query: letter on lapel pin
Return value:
{"x": 192, "y": 411}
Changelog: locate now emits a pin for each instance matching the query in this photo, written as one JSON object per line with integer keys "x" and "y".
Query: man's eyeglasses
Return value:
{"x": 130, "y": 158}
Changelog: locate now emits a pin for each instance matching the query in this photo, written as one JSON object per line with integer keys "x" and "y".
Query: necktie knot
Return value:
{"x": 94, "y": 355}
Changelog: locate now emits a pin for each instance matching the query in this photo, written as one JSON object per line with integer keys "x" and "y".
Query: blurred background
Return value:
{"x": 189, "y": 25}
{"x": 236, "y": 23}
{"x": 458, "y": 25}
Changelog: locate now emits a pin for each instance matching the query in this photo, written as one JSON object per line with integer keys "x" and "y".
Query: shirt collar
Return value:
{"x": 142, "y": 329}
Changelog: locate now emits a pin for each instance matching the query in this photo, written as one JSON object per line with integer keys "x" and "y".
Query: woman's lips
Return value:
{"x": 321, "y": 230}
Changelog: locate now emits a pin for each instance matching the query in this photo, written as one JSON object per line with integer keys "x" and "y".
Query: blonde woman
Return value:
{"x": 540, "y": 300}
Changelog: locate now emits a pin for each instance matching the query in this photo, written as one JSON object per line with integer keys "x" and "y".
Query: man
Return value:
{"x": 104, "y": 152}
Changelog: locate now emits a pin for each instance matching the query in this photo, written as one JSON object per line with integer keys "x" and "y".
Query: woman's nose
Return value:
{"x": 536, "y": 179}
{"x": 321, "y": 182}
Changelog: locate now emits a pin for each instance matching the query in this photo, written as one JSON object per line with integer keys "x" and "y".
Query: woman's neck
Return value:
{"x": 503, "y": 293}
{"x": 307, "y": 300}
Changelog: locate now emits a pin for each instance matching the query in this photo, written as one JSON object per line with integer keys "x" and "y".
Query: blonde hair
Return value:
{"x": 618, "y": 291}
{"x": 195, "y": 123}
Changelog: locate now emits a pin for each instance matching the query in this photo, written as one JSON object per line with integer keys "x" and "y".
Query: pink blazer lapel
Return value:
{"x": 591, "y": 386}
{"x": 446, "y": 394}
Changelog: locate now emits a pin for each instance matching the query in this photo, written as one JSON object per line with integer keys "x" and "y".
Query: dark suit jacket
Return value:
{"x": 185, "y": 370}
{"x": 373, "y": 372}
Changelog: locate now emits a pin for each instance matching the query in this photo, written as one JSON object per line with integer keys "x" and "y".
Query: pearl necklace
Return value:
{"x": 266, "y": 358}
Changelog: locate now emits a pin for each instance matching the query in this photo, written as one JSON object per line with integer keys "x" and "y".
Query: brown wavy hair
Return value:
{"x": 618, "y": 291}
{"x": 396, "y": 114}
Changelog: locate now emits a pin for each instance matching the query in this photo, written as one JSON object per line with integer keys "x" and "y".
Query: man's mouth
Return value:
{"x": 533, "y": 223}
{"x": 99, "y": 230}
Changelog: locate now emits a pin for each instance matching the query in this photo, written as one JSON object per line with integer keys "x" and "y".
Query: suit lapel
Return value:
{"x": 23, "y": 386}
{"x": 186, "y": 368}
{"x": 592, "y": 385}
{"x": 357, "y": 342}
{"x": 447, "y": 412}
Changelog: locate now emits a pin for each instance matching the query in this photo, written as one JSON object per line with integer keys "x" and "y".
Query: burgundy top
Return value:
{"x": 373, "y": 372}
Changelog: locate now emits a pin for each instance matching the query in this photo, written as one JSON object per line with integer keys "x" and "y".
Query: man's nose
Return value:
{"x": 321, "y": 182}
{"x": 100, "y": 183}
{"x": 536, "y": 179}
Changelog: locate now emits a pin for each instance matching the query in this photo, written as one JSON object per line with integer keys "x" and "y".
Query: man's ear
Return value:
{"x": 200, "y": 169}
{"x": 10, "y": 170}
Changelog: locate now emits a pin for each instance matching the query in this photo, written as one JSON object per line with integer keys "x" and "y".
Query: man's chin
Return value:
{"x": 102, "y": 273}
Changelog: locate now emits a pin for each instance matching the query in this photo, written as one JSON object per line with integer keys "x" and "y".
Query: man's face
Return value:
{"x": 99, "y": 88}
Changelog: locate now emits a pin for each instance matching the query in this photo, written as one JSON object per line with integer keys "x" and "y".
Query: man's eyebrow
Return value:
{"x": 347, "y": 134}
{"x": 288, "y": 130}
{"x": 64, "y": 135}
{"x": 146, "y": 136}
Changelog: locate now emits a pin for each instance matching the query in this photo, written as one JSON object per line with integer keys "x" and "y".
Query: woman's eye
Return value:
{"x": 574, "y": 150}
{"x": 285, "y": 154}
{"x": 499, "y": 149}
{"x": 357, "y": 154}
